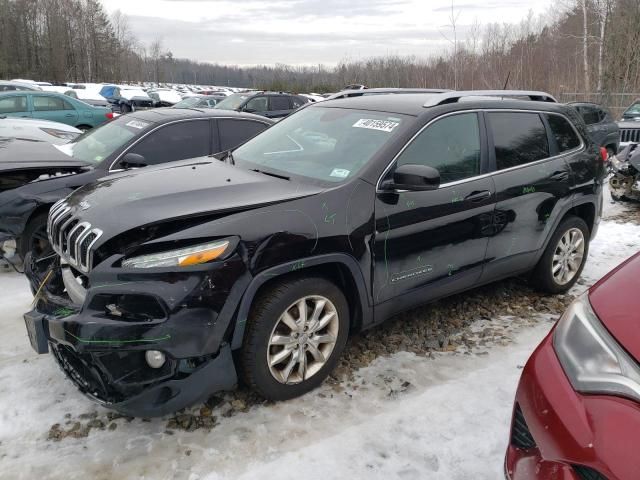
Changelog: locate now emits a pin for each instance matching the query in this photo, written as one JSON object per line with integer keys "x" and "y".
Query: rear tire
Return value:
{"x": 286, "y": 354}
{"x": 564, "y": 258}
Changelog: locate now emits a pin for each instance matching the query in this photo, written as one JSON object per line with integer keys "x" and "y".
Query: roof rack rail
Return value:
{"x": 454, "y": 96}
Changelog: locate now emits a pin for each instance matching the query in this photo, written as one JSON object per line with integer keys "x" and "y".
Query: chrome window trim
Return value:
{"x": 488, "y": 174}
{"x": 116, "y": 170}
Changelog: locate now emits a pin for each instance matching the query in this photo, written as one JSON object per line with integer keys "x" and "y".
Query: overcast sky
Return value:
{"x": 248, "y": 32}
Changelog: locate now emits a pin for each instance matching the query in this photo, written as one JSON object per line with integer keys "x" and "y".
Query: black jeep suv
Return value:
{"x": 171, "y": 279}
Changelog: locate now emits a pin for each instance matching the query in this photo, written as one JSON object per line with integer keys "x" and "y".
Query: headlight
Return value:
{"x": 182, "y": 257}
{"x": 592, "y": 359}
{"x": 60, "y": 133}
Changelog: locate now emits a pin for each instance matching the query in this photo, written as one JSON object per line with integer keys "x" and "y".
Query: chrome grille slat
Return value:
{"x": 630, "y": 135}
{"x": 67, "y": 235}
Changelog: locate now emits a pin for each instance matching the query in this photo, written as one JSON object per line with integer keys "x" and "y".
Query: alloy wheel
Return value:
{"x": 303, "y": 339}
{"x": 568, "y": 256}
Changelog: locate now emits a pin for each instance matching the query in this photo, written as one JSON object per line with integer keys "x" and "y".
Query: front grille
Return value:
{"x": 630, "y": 134}
{"x": 586, "y": 473}
{"x": 520, "y": 435}
{"x": 71, "y": 238}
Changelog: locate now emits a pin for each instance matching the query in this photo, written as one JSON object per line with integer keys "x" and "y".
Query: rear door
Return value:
{"x": 279, "y": 106}
{"x": 432, "y": 243}
{"x": 14, "y": 106}
{"x": 54, "y": 108}
{"x": 532, "y": 182}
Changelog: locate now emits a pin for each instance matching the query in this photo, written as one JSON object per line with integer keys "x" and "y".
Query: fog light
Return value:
{"x": 154, "y": 358}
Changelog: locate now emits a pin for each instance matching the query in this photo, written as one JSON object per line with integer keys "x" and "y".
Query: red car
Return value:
{"x": 577, "y": 409}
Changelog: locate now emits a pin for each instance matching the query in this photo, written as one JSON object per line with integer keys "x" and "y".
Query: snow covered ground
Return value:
{"x": 443, "y": 416}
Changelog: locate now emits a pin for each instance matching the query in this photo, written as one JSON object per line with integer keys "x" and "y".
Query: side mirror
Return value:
{"x": 415, "y": 178}
{"x": 133, "y": 160}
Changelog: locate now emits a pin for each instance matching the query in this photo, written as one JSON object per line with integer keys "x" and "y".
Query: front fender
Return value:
{"x": 364, "y": 298}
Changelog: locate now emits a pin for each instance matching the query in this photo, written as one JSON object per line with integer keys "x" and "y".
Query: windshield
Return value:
{"x": 99, "y": 143}
{"x": 326, "y": 144}
{"x": 232, "y": 102}
{"x": 633, "y": 109}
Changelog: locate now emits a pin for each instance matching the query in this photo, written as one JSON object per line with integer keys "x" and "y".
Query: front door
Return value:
{"x": 432, "y": 243}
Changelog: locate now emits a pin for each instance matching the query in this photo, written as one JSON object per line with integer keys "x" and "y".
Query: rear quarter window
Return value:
{"x": 518, "y": 138}
{"x": 564, "y": 134}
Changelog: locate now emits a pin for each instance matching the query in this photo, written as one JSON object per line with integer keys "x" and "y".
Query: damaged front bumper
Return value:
{"x": 102, "y": 343}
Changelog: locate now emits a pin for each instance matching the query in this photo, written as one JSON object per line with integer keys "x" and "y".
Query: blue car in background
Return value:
{"x": 53, "y": 106}
{"x": 125, "y": 99}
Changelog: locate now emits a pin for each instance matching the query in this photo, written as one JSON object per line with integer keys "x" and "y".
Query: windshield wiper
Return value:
{"x": 271, "y": 174}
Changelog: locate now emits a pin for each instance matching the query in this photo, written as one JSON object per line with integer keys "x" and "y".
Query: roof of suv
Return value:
{"x": 414, "y": 103}
{"x": 160, "y": 115}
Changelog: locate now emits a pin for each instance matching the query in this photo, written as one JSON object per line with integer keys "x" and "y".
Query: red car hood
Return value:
{"x": 616, "y": 301}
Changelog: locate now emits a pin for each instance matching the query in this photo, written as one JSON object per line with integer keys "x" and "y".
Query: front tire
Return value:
{"x": 296, "y": 332}
{"x": 564, "y": 258}
{"x": 34, "y": 239}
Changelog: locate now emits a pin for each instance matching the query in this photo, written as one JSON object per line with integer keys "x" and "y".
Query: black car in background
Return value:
{"x": 267, "y": 104}
{"x": 35, "y": 175}
{"x": 601, "y": 126}
{"x": 334, "y": 219}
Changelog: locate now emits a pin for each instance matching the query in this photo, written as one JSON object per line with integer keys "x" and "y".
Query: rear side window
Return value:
{"x": 236, "y": 132}
{"x": 563, "y": 132}
{"x": 280, "y": 103}
{"x": 450, "y": 145}
{"x": 177, "y": 141}
{"x": 519, "y": 138}
{"x": 13, "y": 104}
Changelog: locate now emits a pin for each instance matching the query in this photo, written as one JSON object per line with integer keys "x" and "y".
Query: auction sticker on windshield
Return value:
{"x": 340, "y": 173}
{"x": 137, "y": 124}
{"x": 382, "y": 125}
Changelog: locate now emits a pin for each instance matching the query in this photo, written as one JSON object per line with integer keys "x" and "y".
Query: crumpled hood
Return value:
{"x": 188, "y": 188}
{"x": 19, "y": 154}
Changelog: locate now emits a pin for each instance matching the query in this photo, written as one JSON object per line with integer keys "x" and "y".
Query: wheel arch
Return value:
{"x": 585, "y": 210}
{"x": 342, "y": 269}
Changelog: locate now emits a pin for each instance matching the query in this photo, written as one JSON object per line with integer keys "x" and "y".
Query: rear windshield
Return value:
{"x": 329, "y": 145}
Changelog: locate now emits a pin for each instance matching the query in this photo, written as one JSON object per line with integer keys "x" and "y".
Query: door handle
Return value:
{"x": 477, "y": 197}
{"x": 69, "y": 115}
{"x": 560, "y": 176}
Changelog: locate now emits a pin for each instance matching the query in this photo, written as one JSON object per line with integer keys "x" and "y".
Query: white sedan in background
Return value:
{"x": 37, "y": 130}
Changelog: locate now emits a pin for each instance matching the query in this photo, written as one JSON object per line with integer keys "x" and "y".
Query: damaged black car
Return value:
{"x": 34, "y": 175}
{"x": 624, "y": 183}
{"x": 172, "y": 282}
